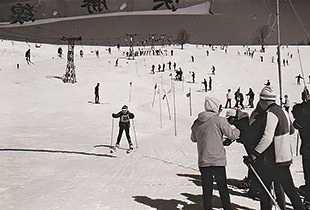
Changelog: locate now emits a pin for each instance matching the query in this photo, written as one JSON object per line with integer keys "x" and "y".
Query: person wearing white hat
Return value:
{"x": 207, "y": 131}
{"x": 275, "y": 145}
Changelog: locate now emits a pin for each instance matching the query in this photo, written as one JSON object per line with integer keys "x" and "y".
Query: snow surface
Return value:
{"x": 52, "y": 153}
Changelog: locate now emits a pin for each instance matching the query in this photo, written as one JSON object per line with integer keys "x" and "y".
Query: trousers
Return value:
{"x": 219, "y": 173}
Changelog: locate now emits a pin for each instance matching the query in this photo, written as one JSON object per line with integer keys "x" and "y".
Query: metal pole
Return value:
{"x": 264, "y": 186}
{"x": 279, "y": 55}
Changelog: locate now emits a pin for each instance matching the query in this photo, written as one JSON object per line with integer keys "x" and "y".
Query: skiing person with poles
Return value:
{"x": 97, "y": 93}
{"x": 275, "y": 144}
{"x": 207, "y": 131}
{"x": 124, "y": 124}
{"x": 27, "y": 56}
{"x": 301, "y": 113}
{"x": 299, "y": 77}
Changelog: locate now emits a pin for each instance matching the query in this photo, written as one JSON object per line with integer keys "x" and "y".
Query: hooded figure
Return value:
{"x": 208, "y": 130}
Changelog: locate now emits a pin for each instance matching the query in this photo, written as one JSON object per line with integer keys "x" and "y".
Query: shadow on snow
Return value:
{"x": 195, "y": 200}
{"x": 56, "y": 151}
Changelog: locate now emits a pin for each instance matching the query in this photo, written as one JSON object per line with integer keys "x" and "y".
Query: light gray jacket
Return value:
{"x": 208, "y": 131}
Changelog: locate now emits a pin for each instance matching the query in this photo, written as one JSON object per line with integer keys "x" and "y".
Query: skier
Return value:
{"x": 169, "y": 65}
{"x": 286, "y": 103}
{"x": 97, "y": 53}
{"x": 299, "y": 77}
{"x": 210, "y": 83}
{"x": 237, "y": 97}
{"x": 278, "y": 157}
{"x": 153, "y": 69}
{"x": 205, "y": 84}
{"x": 97, "y": 93}
{"x": 27, "y": 56}
{"x": 81, "y": 53}
{"x": 301, "y": 113}
{"x": 228, "y": 99}
{"x": 174, "y": 65}
{"x": 213, "y": 70}
{"x": 193, "y": 59}
{"x": 193, "y": 77}
{"x": 251, "y": 95}
{"x": 124, "y": 124}
{"x": 59, "y": 52}
{"x": 208, "y": 130}
{"x": 241, "y": 99}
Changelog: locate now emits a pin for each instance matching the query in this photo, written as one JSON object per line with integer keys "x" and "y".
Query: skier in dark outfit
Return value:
{"x": 124, "y": 124}
{"x": 251, "y": 98}
{"x": 97, "y": 93}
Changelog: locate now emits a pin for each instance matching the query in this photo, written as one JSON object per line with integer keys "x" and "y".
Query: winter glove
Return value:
{"x": 113, "y": 115}
{"x": 227, "y": 142}
{"x": 249, "y": 160}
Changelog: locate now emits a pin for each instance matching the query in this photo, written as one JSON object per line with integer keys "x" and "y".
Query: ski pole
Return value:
{"x": 112, "y": 131}
{"x": 264, "y": 186}
{"x": 134, "y": 131}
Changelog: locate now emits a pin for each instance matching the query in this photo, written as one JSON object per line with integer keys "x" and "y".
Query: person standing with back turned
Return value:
{"x": 207, "y": 131}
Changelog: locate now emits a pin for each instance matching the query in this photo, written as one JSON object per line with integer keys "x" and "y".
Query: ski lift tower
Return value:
{"x": 70, "y": 75}
{"x": 131, "y": 51}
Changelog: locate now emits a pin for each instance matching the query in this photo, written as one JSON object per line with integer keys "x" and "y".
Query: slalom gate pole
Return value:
{"x": 112, "y": 131}
{"x": 264, "y": 186}
{"x": 134, "y": 131}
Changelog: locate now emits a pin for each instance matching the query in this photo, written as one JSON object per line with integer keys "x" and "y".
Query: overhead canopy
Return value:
{"x": 108, "y": 22}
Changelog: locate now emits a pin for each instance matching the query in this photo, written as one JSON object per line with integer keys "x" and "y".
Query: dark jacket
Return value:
{"x": 301, "y": 113}
{"x": 124, "y": 118}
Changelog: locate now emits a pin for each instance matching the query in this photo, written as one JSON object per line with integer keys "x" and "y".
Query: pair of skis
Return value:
{"x": 114, "y": 148}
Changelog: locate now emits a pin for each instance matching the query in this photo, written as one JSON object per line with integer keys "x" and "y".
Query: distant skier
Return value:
{"x": 251, "y": 95}
{"x": 174, "y": 65}
{"x": 27, "y": 56}
{"x": 193, "y": 59}
{"x": 228, "y": 99}
{"x": 81, "y": 53}
{"x": 169, "y": 65}
{"x": 205, "y": 84}
{"x": 97, "y": 93}
{"x": 124, "y": 124}
{"x": 210, "y": 83}
{"x": 193, "y": 77}
{"x": 153, "y": 69}
{"x": 97, "y": 53}
{"x": 237, "y": 97}
{"x": 59, "y": 52}
{"x": 213, "y": 70}
{"x": 267, "y": 83}
{"x": 299, "y": 77}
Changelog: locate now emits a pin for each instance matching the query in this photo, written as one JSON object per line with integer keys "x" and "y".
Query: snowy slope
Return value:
{"x": 53, "y": 153}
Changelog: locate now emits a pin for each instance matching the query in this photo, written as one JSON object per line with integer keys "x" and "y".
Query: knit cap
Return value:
{"x": 212, "y": 104}
{"x": 125, "y": 107}
{"x": 230, "y": 113}
{"x": 268, "y": 93}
